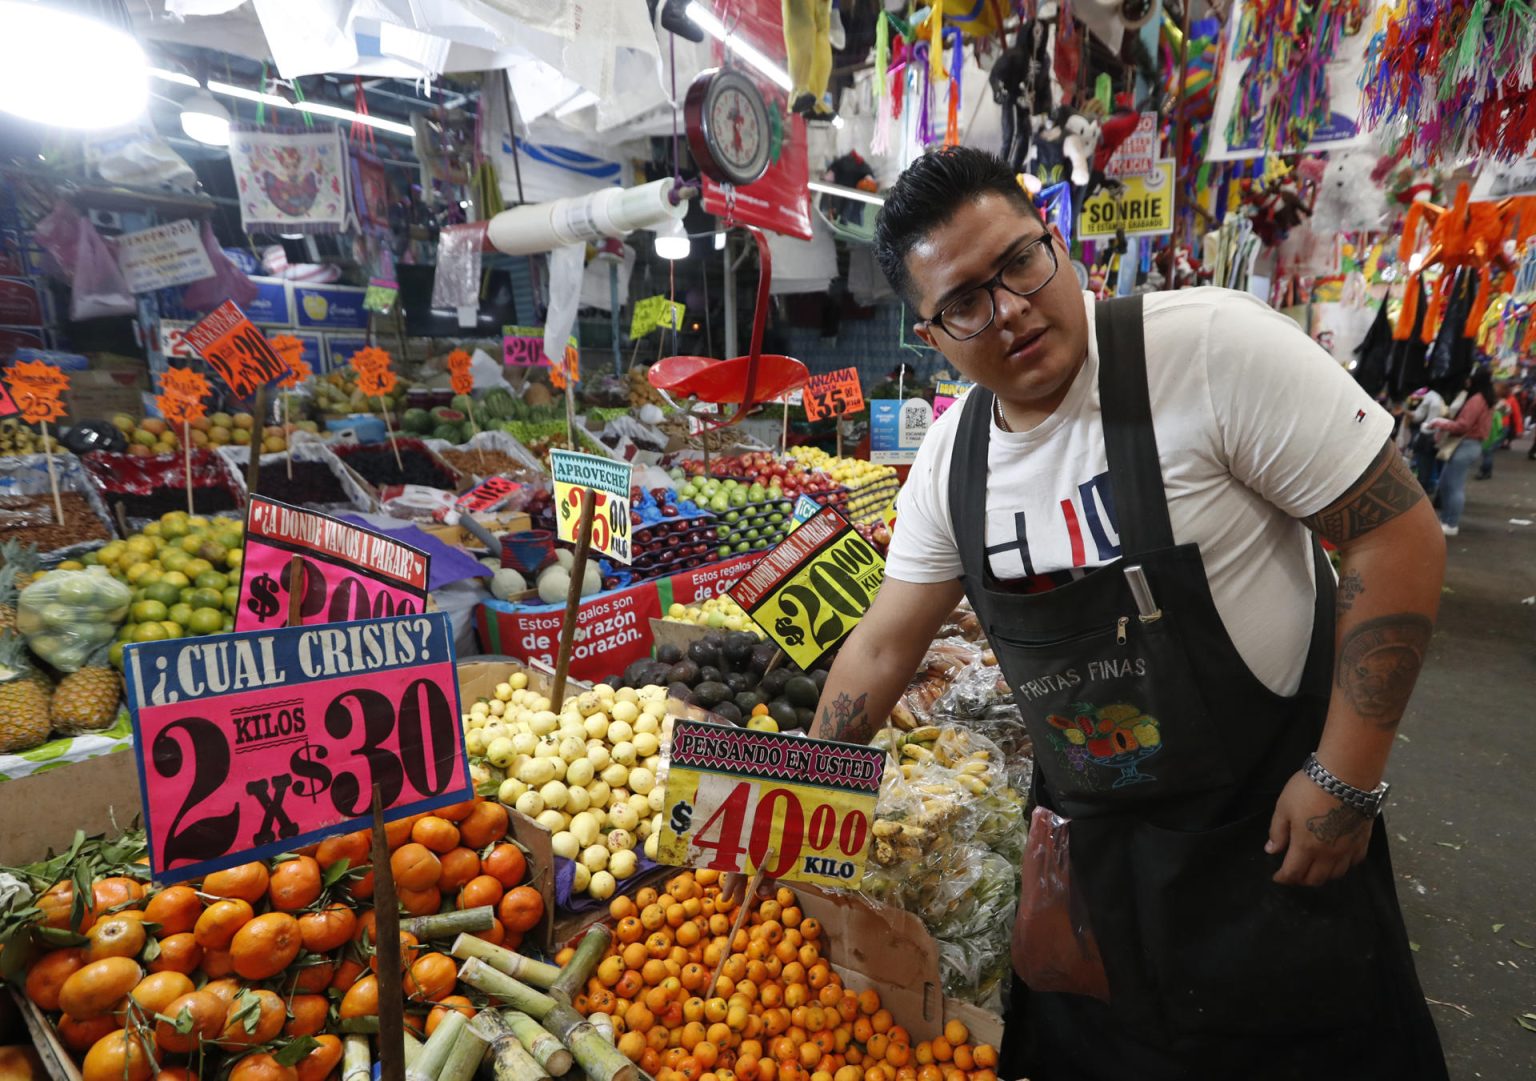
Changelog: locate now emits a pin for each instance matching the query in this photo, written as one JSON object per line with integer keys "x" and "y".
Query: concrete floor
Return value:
{"x": 1463, "y": 811}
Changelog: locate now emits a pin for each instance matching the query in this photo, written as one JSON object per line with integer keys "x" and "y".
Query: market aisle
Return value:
{"x": 1461, "y": 807}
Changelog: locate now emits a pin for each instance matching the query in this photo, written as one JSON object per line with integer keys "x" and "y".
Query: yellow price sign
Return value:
{"x": 739, "y": 800}
{"x": 812, "y": 589}
{"x": 609, "y": 482}
{"x": 656, "y": 313}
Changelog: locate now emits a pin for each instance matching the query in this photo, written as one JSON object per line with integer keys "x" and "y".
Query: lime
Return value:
{"x": 149, "y": 611}
{"x": 180, "y": 613}
{"x": 150, "y": 632}
{"x": 194, "y": 568}
{"x": 205, "y": 621}
{"x": 191, "y": 543}
{"x": 90, "y": 559}
{"x": 175, "y": 559}
{"x": 115, "y": 655}
{"x": 212, "y": 580}
{"x": 76, "y": 591}
{"x": 235, "y": 558}
{"x": 151, "y": 576}
{"x": 172, "y": 630}
{"x": 179, "y": 579}
{"x": 71, "y": 565}
{"x": 231, "y": 598}
{"x": 185, "y": 597}
{"x": 135, "y": 572}
{"x": 207, "y": 598}
{"x": 125, "y": 632}
{"x": 173, "y": 528}
{"x": 141, "y": 546}
{"x": 163, "y": 591}
{"x": 152, "y": 530}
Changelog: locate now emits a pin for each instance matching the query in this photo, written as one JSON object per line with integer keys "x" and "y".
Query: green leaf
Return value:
{"x": 1448, "y": 844}
{"x": 1414, "y": 946}
{"x": 245, "y": 1008}
{"x": 295, "y": 1050}
{"x": 184, "y": 1021}
{"x": 18, "y": 952}
{"x": 58, "y": 936}
{"x": 1524, "y": 945}
{"x": 1497, "y": 928}
{"x": 334, "y": 872}
{"x": 151, "y": 949}
{"x": 1527, "y": 1021}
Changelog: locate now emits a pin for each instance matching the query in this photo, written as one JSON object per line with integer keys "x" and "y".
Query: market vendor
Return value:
{"x": 1131, "y": 499}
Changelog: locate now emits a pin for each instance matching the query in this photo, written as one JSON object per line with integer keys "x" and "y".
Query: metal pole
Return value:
{"x": 1179, "y": 176}
{"x": 613, "y": 301}
{"x": 730, "y": 302}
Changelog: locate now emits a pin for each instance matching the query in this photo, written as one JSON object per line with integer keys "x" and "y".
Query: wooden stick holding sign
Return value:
{"x": 573, "y": 594}
{"x": 290, "y": 349}
{"x": 386, "y": 906}
{"x": 463, "y": 383}
{"x": 748, "y": 903}
{"x": 182, "y": 391}
{"x": 375, "y": 378}
{"x": 38, "y": 388}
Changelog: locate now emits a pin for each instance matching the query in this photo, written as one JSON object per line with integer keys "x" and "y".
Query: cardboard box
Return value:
{"x": 113, "y": 384}
{"x": 45, "y": 1040}
{"x": 670, "y": 632}
{"x": 42, "y": 810}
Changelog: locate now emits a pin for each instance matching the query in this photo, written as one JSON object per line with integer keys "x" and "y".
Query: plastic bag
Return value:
{"x": 58, "y": 234}
{"x": 227, "y": 283}
{"x": 68, "y": 615}
{"x": 1054, "y": 948}
{"x": 99, "y": 289}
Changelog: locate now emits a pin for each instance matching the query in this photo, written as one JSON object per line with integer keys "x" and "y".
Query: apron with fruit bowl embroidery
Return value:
{"x": 1155, "y": 739}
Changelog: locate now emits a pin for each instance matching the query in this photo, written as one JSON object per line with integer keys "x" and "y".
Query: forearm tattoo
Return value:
{"x": 1384, "y": 491}
{"x": 1378, "y": 663}
{"x": 1337, "y": 825}
{"x": 1350, "y": 587}
{"x": 845, "y": 719}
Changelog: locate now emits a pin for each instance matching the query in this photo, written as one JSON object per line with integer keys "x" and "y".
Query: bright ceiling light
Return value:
{"x": 69, "y": 71}
{"x": 672, "y": 240}
{"x": 707, "y": 22}
{"x": 318, "y": 108}
{"x": 204, "y": 119}
{"x": 847, "y": 193}
{"x": 173, "y": 77}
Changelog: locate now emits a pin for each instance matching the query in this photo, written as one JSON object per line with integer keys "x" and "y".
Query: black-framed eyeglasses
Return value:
{"x": 1027, "y": 273}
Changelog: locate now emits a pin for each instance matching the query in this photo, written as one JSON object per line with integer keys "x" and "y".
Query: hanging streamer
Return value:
{"x": 936, "y": 41}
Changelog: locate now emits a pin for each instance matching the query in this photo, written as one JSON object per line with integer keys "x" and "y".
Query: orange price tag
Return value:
{"x": 292, "y": 351}
{"x": 833, "y": 394}
{"x": 38, "y": 388}
{"x": 458, "y": 372}
{"x": 182, "y": 391}
{"x": 374, "y": 377}
{"x": 240, "y": 353}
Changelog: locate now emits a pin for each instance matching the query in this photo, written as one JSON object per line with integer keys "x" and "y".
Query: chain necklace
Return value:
{"x": 1002, "y": 421}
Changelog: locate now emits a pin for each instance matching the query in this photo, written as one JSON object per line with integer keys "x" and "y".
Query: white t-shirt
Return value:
{"x": 1257, "y": 426}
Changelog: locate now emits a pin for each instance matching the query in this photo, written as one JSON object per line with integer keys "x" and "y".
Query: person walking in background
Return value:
{"x": 1422, "y": 447}
{"x": 1498, "y": 431}
{"x": 1462, "y": 446}
{"x": 1515, "y": 426}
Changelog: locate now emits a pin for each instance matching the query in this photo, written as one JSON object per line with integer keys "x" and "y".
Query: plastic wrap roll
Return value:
{"x": 612, "y": 212}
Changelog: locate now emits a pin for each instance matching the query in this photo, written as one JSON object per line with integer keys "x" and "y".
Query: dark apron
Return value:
{"x": 1168, "y": 754}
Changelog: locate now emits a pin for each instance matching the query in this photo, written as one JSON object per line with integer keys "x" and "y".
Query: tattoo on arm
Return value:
{"x": 1379, "y": 662}
{"x": 1337, "y": 825}
{"x": 845, "y": 719}
{"x": 1350, "y": 587}
{"x": 1386, "y": 490}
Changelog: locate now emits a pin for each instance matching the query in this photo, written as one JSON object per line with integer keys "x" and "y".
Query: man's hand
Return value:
{"x": 1321, "y": 837}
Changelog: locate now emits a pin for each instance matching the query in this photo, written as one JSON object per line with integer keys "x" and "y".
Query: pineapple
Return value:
{"x": 86, "y": 701}
{"x": 24, "y": 721}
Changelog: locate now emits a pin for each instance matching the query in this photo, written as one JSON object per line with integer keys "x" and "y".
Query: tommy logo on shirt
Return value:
{"x": 1062, "y": 541}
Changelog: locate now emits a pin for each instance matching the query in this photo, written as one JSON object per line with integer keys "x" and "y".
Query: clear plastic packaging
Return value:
{"x": 1054, "y": 948}
{"x": 68, "y": 615}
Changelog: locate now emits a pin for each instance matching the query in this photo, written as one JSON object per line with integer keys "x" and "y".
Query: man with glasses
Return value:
{"x": 1130, "y": 499}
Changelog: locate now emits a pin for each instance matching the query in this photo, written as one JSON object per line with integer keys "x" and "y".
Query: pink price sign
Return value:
{"x": 343, "y": 572}
{"x": 254, "y": 744}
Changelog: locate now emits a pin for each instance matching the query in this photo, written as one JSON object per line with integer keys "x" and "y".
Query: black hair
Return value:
{"x": 927, "y": 195}
{"x": 1482, "y": 383}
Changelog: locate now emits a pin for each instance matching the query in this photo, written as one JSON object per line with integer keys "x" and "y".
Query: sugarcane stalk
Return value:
{"x": 360, "y": 1026}
{"x": 429, "y": 1064}
{"x": 589, "y": 951}
{"x": 447, "y": 924}
{"x": 467, "y": 1054}
{"x": 599, "y": 1059}
{"x": 413, "y": 1049}
{"x": 550, "y": 1052}
{"x": 510, "y": 1060}
{"x": 604, "y": 1025}
{"x": 482, "y": 977}
{"x": 534, "y": 973}
{"x": 356, "y": 1062}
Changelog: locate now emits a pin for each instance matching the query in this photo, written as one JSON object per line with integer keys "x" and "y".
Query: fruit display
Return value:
{"x": 19, "y": 438}
{"x": 779, "y": 1011}
{"x": 673, "y": 530}
{"x": 337, "y": 394}
{"x": 375, "y": 463}
{"x": 152, "y": 436}
{"x": 727, "y": 673}
{"x": 870, "y": 487}
{"x": 587, "y": 773}
{"x": 768, "y": 471}
{"x": 267, "y": 971}
{"x": 32, "y": 517}
{"x": 716, "y": 613}
{"x": 451, "y": 423}
{"x": 749, "y": 516}
{"x": 67, "y": 615}
{"x": 185, "y": 575}
{"x": 641, "y": 393}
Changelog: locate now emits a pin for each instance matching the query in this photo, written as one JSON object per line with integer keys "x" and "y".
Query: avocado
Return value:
{"x": 668, "y": 654}
{"x": 728, "y": 711}
{"x": 773, "y": 683}
{"x": 801, "y": 692}
{"x": 783, "y": 713}
{"x": 684, "y": 672}
{"x": 710, "y": 695}
{"x": 740, "y": 681}
{"x": 806, "y": 717}
{"x": 738, "y": 649}
{"x": 681, "y": 691}
{"x": 747, "y": 701}
{"x": 704, "y": 653}
{"x": 819, "y": 677}
{"x": 710, "y": 674}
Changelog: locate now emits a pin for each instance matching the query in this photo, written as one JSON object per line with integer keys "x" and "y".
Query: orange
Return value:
{"x": 446, "y": 1005}
{"x": 294, "y": 884}
{"x": 206, "y": 1011}
{"x": 114, "y": 936}
{"x": 435, "y": 834}
{"x": 943, "y": 1051}
{"x": 219, "y": 922}
{"x": 621, "y": 906}
{"x": 408, "y": 951}
{"x": 882, "y": 1022}
{"x": 965, "y": 1060}
{"x": 111, "y": 892}
{"x": 415, "y": 866}
{"x": 481, "y": 890}
{"x": 507, "y": 864}
{"x": 218, "y": 963}
{"x": 48, "y": 973}
{"x": 318, "y": 1064}
{"x": 175, "y": 909}
{"x": 253, "y": 1017}
{"x": 157, "y": 991}
{"x": 431, "y": 976}
{"x": 266, "y": 945}
{"x": 398, "y": 832}
{"x": 986, "y": 1056}
{"x": 79, "y": 1035}
{"x": 628, "y": 930}
{"x": 347, "y": 973}
{"x": 262, "y": 1068}
{"x": 327, "y": 930}
{"x": 362, "y": 888}
{"x": 175, "y": 1073}
{"x": 312, "y": 978}
{"x": 247, "y": 882}
{"x": 117, "y": 1056}
{"x": 459, "y": 866}
{"x": 898, "y": 1054}
{"x": 362, "y": 998}
{"x": 421, "y": 902}
{"x": 94, "y": 988}
{"x": 632, "y": 1045}
{"x": 58, "y": 904}
{"x": 352, "y": 847}
{"x": 309, "y": 1015}
{"x": 458, "y": 812}
{"x": 521, "y": 909}
{"x": 496, "y": 934}
{"x": 224, "y": 990}
{"x": 956, "y": 1033}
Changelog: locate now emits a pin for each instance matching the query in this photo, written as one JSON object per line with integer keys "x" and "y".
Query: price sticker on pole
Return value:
{"x": 809, "y": 591}
{"x": 609, "y": 481}
{"x": 234, "y": 348}
{"x": 319, "y": 569}
{"x": 795, "y": 808}
{"x": 252, "y": 744}
{"x": 833, "y": 394}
